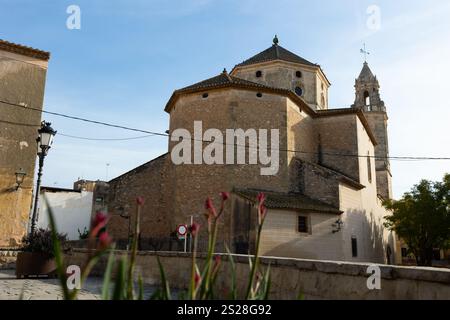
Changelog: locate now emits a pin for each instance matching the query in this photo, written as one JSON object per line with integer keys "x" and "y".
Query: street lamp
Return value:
{"x": 44, "y": 143}
{"x": 20, "y": 176}
{"x": 126, "y": 216}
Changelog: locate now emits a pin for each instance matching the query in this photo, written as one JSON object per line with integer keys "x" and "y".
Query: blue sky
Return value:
{"x": 129, "y": 56}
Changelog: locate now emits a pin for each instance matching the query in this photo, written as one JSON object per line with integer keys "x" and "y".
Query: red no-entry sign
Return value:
{"x": 182, "y": 230}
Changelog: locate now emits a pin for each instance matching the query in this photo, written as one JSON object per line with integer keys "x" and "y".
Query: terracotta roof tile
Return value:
{"x": 278, "y": 200}
{"x": 276, "y": 52}
{"x": 24, "y": 50}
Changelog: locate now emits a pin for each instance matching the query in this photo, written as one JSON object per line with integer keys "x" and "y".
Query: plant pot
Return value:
{"x": 35, "y": 264}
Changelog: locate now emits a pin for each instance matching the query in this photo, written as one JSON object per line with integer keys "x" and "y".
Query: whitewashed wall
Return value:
{"x": 364, "y": 214}
{"x": 72, "y": 211}
{"x": 280, "y": 237}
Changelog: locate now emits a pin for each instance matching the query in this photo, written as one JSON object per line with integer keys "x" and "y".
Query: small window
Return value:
{"x": 99, "y": 199}
{"x": 369, "y": 167}
{"x": 298, "y": 91}
{"x": 302, "y": 224}
{"x": 354, "y": 247}
{"x": 321, "y": 85}
{"x": 205, "y": 95}
{"x": 298, "y": 74}
{"x": 258, "y": 74}
{"x": 259, "y": 94}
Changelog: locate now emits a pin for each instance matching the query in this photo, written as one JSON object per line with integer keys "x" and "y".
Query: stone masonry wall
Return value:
{"x": 149, "y": 181}
{"x": 22, "y": 81}
{"x": 315, "y": 279}
{"x": 338, "y": 135}
{"x": 225, "y": 109}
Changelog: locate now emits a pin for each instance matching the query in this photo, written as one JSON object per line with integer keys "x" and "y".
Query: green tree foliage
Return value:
{"x": 422, "y": 218}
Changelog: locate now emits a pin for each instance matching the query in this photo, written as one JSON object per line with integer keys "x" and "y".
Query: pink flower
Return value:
{"x": 262, "y": 210}
{"x": 210, "y": 207}
{"x": 99, "y": 222}
{"x": 197, "y": 279}
{"x": 261, "y": 198}
{"x": 100, "y": 219}
{"x": 195, "y": 227}
{"x": 140, "y": 201}
{"x": 104, "y": 240}
{"x": 225, "y": 196}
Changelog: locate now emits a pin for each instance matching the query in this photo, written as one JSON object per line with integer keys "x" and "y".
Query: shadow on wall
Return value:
{"x": 323, "y": 244}
{"x": 369, "y": 232}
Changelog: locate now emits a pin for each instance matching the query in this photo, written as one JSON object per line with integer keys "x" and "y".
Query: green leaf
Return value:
{"x": 141, "y": 288}
{"x": 267, "y": 282}
{"x": 233, "y": 293}
{"x": 164, "y": 283}
{"x": 119, "y": 287}
{"x": 107, "y": 276}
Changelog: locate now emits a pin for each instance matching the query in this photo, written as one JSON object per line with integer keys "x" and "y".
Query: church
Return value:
{"x": 324, "y": 201}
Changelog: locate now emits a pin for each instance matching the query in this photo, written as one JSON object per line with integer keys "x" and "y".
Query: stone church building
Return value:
{"x": 325, "y": 201}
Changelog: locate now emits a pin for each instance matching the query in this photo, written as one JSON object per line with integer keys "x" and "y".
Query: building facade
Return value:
{"x": 325, "y": 198}
{"x": 71, "y": 210}
{"x": 22, "y": 81}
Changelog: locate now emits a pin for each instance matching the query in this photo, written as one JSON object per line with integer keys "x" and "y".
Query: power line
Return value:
{"x": 105, "y": 139}
{"x": 152, "y": 133}
{"x": 83, "y": 119}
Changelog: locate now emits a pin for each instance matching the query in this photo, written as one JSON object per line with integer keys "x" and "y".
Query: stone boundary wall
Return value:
{"x": 314, "y": 279}
{"x": 8, "y": 258}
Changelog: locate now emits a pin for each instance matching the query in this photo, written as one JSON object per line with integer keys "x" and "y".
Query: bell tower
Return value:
{"x": 367, "y": 98}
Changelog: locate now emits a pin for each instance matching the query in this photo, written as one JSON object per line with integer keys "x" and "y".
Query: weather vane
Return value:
{"x": 365, "y": 52}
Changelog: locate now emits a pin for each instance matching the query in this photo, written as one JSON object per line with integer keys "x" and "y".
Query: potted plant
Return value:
{"x": 37, "y": 255}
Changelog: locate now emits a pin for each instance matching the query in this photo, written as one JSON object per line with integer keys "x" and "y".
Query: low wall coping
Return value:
{"x": 392, "y": 272}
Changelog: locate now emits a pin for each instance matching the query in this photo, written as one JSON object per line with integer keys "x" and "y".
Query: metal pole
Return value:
{"x": 129, "y": 231}
{"x": 36, "y": 196}
{"x": 190, "y": 235}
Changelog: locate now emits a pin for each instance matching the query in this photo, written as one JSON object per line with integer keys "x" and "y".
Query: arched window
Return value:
{"x": 298, "y": 74}
{"x": 369, "y": 168}
{"x": 258, "y": 74}
{"x": 366, "y": 98}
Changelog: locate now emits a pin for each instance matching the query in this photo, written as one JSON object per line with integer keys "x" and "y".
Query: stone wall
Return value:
{"x": 378, "y": 124}
{"x": 315, "y": 279}
{"x": 338, "y": 136}
{"x": 22, "y": 81}
{"x": 282, "y": 74}
{"x": 149, "y": 181}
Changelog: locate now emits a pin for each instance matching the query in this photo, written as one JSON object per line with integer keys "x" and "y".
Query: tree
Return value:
{"x": 422, "y": 218}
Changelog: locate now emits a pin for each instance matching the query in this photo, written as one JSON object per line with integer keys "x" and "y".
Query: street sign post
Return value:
{"x": 182, "y": 232}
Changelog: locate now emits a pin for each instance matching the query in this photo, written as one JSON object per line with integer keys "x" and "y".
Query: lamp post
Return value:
{"x": 44, "y": 143}
{"x": 126, "y": 216}
{"x": 20, "y": 176}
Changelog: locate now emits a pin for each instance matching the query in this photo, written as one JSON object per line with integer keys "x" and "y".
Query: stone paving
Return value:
{"x": 48, "y": 289}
